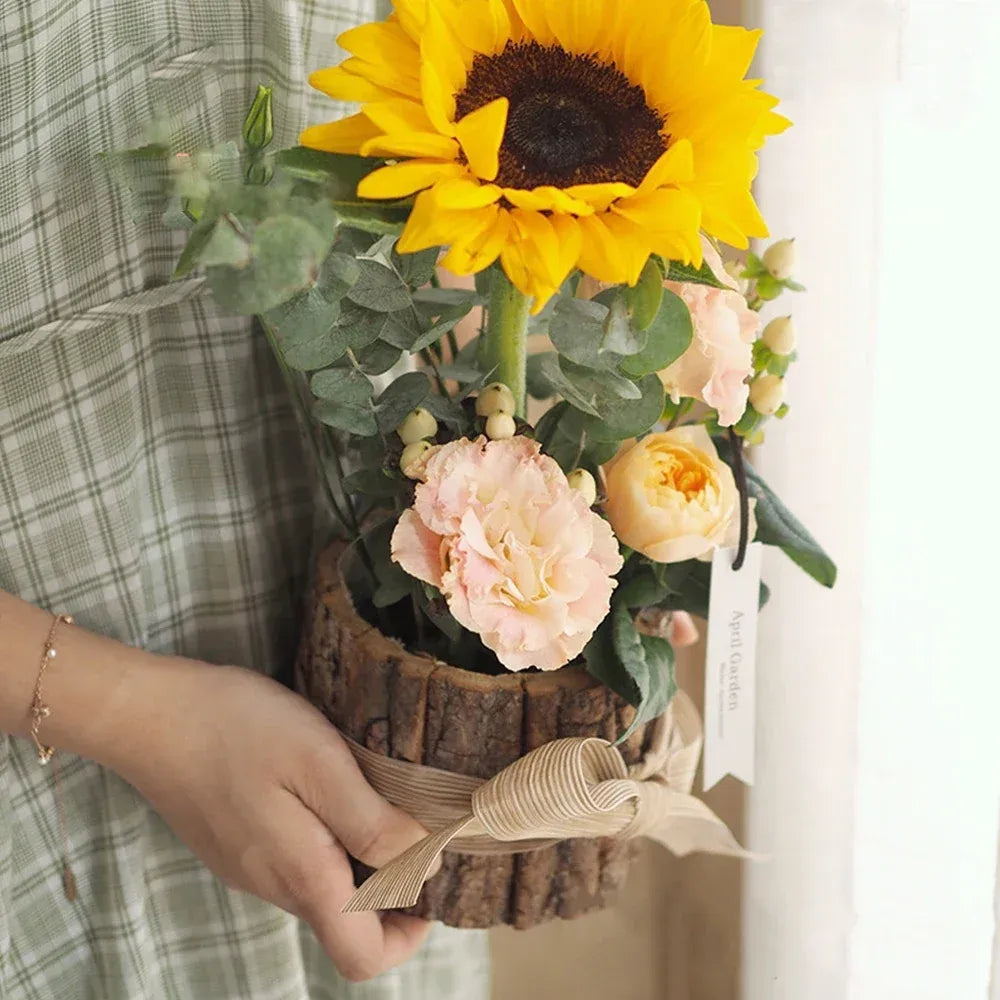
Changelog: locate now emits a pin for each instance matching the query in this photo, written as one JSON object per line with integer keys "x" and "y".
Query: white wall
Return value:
{"x": 878, "y": 790}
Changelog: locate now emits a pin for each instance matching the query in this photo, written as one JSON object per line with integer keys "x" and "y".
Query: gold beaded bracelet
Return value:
{"x": 39, "y": 710}
{"x": 39, "y": 713}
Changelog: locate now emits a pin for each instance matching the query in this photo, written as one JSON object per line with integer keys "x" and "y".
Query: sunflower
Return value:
{"x": 555, "y": 134}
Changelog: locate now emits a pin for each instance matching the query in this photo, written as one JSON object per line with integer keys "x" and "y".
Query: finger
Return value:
{"x": 370, "y": 828}
{"x": 361, "y": 945}
{"x": 683, "y": 631}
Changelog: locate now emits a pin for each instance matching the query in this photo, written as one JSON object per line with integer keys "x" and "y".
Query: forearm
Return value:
{"x": 85, "y": 684}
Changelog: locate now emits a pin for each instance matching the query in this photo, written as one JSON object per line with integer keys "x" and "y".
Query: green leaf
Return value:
{"x": 371, "y": 482}
{"x": 448, "y": 298}
{"x": 630, "y": 418}
{"x": 648, "y": 661}
{"x": 577, "y": 332}
{"x": 778, "y": 526}
{"x": 304, "y": 327}
{"x": 338, "y": 275}
{"x": 644, "y": 300}
{"x": 439, "y": 321}
{"x": 668, "y": 337}
{"x": 691, "y": 275}
{"x": 339, "y": 173}
{"x": 198, "y": 239}
{"x": 768, "y": 287}
{"x": 378, "y": 358}
{"x": 549, "y": 369}
{"x": 643, "y": 590}
{"x": 539, "y": 387}
{"x": 603, "y": 663}
{"x": 227, "y": 246}
{"x": 373, "y": 217}
{"x": 416, "y": 269}
{"x": 286, "y": 254}
{"x": 344, "y": 401}
{"x": 404, "y": 394}
{"x": 447, "y": 411}
{"x": 604, "y": 389}
{"x": 620, "y": 338}
{"x": 379, "y": 288}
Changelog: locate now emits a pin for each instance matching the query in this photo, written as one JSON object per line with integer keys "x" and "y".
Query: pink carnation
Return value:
{"x": 716, "y": 366}
{"x": 519, "y": 556}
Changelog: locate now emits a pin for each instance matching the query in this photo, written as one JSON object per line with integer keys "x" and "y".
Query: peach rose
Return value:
{"x": 716, "y": 366}
{"x": 519, "y": 556}
{"x": 671, "y": 497}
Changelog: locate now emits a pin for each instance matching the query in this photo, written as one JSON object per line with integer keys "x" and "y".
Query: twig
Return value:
{"x": 739, "y": 468}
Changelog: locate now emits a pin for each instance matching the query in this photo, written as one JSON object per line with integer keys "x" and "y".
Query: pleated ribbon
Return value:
{"x": 569, "y": 788}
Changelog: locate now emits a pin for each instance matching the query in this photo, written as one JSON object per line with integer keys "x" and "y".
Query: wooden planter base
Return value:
{"x": 413, "y": 708}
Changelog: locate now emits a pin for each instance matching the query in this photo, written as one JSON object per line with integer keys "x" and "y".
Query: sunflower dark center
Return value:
{"x": 573, "y": 119}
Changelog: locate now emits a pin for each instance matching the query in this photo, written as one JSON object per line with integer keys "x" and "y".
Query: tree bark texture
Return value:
{"x": 414, "y": 708}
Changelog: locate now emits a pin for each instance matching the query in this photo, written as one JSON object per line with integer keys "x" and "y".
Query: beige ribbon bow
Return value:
{"x": 578, "y": 787}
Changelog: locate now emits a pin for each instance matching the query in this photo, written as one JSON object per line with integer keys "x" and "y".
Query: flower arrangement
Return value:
{"x": 533, "y": 465}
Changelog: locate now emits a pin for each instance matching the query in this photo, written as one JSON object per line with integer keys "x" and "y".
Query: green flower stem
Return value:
{"x": 504, "y": 345}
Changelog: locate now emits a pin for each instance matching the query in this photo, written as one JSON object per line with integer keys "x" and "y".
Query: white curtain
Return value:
{"x": 878, "y": 795}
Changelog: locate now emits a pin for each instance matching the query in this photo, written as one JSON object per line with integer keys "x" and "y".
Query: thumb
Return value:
{"x": 368, "y": 827}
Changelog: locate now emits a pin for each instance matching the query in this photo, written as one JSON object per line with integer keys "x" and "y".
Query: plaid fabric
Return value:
{"x": 151, "y": 483}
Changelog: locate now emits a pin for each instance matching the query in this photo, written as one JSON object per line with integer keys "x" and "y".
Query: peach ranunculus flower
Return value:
{"x": 716, "y": 366}
{"x": 671, "y": 497}
{"x": 519, "y": 556}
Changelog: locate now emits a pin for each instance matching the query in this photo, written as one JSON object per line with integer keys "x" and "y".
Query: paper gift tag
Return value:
{"x": 730, "y": 667}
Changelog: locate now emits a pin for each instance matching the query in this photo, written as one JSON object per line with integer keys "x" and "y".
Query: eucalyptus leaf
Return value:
{"x": 416, "y": 269}
{"x": 346, "y": 416}
{"x": 620, "y": 337}
{"x": 668, "y": 337}
{"x": 604, "y": 389}
{"x": 448, "y": 298}
{"x": 550, "y": 370}
{"x": 630, "y": 418}
{"x": 402, "y": 396}
{"x": 378, "y": 358}
{"x": 379, "y": 288}
{"x": 577, "y": 332}
{"x": 198, "y": 239}
{"x": 286, "y": 254}
{"x": 371, "y": 482}
{"x": 344, "y": 400}
{"x": 226, "y": 247}
{"x": 373, "y": 217}
{"x": 447, "y": 411}
{"x": 539, "y": 387}
{"x": 644, "y": 299}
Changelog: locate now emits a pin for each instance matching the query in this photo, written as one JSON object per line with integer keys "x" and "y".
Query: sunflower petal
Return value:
{"x": 439, "y": 99}
{"x": 338, "y": 83}
{"x": 540, "y": 245}
{"x": 384, "y": 42}
{"x": 676, "y": 166}
{"x": 600, "y": 254}
{"x": 440, "y": 46}
{"x": 547, "y": 199}
{"x": 403, "y": 179}
{"x": 481, "y": 134}
{"x": 403, "y": 144}
{"x": 579, "y": 25}
{"x": 633, "y": 245}
{"x": 670, "y": 217}
{"x": 466, "y": 193}
{"x": 398, "y": 115}
{"x": 430, "y": 225}
{"x": 345, "y": 136}
{"x": 384, "y": 75}
{"x": 601, "y": 195}
{"x": 532, "y": 14}
{"x": 733, "y": 50}
{"x": 475, "y": 253}
{"x": 484, "y": 26}
{"x": 411, "y": 14}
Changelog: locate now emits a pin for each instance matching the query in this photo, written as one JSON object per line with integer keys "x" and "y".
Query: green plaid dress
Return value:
{"x": 151, "y": 483}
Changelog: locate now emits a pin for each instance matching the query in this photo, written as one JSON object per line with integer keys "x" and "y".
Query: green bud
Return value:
{"x": 258, "y": 126}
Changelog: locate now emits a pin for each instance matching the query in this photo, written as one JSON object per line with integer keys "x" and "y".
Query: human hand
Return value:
{"x": 265, "y": 791}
